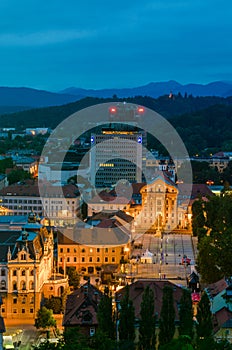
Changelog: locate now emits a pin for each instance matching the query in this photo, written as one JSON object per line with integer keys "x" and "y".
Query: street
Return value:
{"x": 168, "y": 251}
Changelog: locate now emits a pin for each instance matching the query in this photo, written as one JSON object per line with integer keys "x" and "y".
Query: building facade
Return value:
{"x": 24, "y": 197}
{"x": 27, "y": 262}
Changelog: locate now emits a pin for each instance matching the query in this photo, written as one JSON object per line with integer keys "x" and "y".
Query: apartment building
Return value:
{"x": 24, "y": 197}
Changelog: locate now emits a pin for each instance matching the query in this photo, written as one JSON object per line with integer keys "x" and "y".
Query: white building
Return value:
{"x": 24, "y": 197}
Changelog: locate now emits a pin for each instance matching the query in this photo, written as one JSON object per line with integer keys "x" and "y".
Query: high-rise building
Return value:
{"x": 117, "y": 152}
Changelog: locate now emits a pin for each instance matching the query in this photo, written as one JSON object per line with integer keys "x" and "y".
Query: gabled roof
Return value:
{"x": 108, "y": 232}
{"x": 83, "y": 301}
{"x": 137, "y": 288}
{"x": 197, "y": 191}
{"x": 12, "y": 240}
{"x": 214, "y": 289}
{"x": 223, "y": 319}
{"x": 163, "y": 176}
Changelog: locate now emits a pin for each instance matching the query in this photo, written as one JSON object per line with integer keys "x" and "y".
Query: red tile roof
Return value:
{"x": 215, "y": 288}
{"x": 82, "y": 301}
{"x": 221, "y": 317}
{"x": 31, "y": 188}
{"x": 137, "y": 288}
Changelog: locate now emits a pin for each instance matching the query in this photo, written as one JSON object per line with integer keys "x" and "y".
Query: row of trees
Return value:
{"x": 117, "y": 328}
{"x": 212, "y": 224}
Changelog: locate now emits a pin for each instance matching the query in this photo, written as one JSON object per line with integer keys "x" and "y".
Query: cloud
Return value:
{"x": 44, "y": 37}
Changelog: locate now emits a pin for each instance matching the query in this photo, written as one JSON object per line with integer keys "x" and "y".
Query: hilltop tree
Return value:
{"x": 186, "y": 314}
{"x": 147, "y": 330}
{"x": 167, "y": 317}
{"x": 127, "y": 321}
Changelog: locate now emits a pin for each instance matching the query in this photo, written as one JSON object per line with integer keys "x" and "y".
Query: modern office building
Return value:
{"x": 118, "y": 151}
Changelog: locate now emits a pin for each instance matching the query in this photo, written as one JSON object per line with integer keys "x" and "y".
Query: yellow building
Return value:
{"x": 158, "y": 210}
{"x": 103, "y": 241}
{"x": 26, "y": 268}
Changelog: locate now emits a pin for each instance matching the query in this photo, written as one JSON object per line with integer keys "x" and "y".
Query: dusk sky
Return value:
{"x": 55, "y": 44}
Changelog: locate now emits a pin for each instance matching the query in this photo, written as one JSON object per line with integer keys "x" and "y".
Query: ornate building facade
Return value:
{"x": 26, "y": 267}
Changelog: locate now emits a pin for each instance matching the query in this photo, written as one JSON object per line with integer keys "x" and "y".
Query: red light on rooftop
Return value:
{"x": 113, "y": 110}
{"x": 140, "y": 110}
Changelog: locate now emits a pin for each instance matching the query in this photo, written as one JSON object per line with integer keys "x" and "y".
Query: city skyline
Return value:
{"x": 52, "y": 45}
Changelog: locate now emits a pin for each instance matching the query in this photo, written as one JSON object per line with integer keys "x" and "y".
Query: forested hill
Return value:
{"x": 208, "y": 128}
{"x": 52, "y": 116}
{"x": 202, "y": 122}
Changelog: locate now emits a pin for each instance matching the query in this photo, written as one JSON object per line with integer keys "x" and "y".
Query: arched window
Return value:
{"x": 31, "y": 285}
{"x": 14, "y": 286}
{"x": 23, "y": 285}
{"x": 14, "y": 272}
{"x": 3, "y": 284}
{"x": 23, "y": 273}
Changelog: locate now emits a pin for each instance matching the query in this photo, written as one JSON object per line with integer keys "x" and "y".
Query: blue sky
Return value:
{"x": 56, "y": 44}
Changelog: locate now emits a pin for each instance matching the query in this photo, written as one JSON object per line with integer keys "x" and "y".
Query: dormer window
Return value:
{"x": 87, "y": 317}
{"x": 23, "y": 256}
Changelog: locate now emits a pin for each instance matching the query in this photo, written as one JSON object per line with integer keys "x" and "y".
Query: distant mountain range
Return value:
{"x": 219, "y": 88}
{"x": 16, "y": 99}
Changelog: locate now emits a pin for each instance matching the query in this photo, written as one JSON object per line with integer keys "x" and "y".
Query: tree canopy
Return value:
{"x": 44, "y": 318}
{"x": 167, "y": 317}
{"x": 212, "y": 223}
